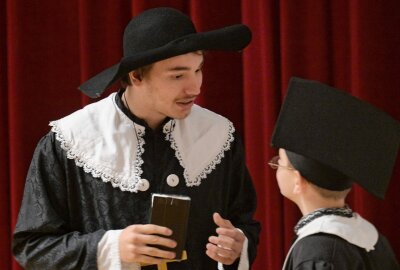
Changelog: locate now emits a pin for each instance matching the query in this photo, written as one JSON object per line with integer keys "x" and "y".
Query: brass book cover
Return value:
{"x": 171, "y": 211}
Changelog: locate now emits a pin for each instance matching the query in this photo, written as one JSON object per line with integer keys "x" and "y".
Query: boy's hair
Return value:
{"x": 330, "y": 194}
{"x": 326, "y": 193}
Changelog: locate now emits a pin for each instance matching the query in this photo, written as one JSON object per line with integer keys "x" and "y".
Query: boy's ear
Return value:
{"x": 299, "y": 183}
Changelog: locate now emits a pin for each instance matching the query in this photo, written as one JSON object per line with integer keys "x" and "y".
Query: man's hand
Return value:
{"x": 227, "y": 246}
{"x": 134, "y": 244}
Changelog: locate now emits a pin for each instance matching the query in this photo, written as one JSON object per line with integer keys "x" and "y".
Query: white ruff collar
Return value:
{"x": 355, "y": 230}
{"x": 102, "y": 140}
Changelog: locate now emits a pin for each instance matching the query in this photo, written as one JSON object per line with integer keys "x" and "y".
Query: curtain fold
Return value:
{"x": 5, "y": 198}
{"x": 261, "y": 103}
{"x": 374, "y": 65}
{"x": 222, "y": 72}
{"x": 48, "y": 48}
{"x": 100, "y": 27}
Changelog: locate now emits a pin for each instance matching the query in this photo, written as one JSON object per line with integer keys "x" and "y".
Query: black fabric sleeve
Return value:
{"x": 44, "y": 238}
{"x": 243, "y": 200}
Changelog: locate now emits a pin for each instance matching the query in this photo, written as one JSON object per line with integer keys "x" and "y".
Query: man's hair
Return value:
{"x": 139, "y": 73}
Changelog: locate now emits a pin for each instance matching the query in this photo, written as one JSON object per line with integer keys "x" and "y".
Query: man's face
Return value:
{"x": 171, "y": 86}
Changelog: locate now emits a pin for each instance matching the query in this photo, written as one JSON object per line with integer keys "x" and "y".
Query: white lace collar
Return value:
{"x": 101, "y": 139}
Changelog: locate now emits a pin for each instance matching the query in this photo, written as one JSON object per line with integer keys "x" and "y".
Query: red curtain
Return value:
{"x": 48, "y": 48}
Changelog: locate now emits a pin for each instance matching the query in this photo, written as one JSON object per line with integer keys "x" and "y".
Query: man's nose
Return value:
{"x": 194, "y": 87}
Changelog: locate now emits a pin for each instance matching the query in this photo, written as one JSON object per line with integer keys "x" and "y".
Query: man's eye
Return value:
{"x": 178, "y": 76}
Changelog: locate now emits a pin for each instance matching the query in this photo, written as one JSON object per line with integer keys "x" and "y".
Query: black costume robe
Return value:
{"x": 329, "y": 252}
{"x": 66, "y": 210}
{"x": 329, "y": 245}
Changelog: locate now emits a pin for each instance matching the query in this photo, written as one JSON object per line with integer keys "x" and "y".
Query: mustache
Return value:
{"x": 186, "y": 99}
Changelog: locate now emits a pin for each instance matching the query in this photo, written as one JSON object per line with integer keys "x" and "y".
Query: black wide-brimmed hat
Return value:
{"x": 335, "y": 139}
{"x": 160, "y": 33}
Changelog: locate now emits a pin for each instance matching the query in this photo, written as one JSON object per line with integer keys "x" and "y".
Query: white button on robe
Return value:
{"x": 172, "y": 180}
{"x": 144, "y": 185}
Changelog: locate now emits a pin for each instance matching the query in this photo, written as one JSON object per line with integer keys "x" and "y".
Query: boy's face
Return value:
{"x": 172, "y": 85}
{"x": 285, "y": 176}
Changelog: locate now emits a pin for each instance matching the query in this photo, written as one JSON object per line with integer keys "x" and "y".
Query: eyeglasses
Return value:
{"x": 273, "y": 163}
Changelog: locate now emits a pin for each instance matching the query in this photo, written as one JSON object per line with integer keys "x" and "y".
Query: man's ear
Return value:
{"x": 135, "y": 78}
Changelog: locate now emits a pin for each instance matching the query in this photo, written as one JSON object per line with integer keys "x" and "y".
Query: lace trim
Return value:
{"x": 139, "y": 160}
{"x": 341, "y": 211}
{"x": 210, "y": 167}
{"x": 98, "y": 171}
{"x": 167, "y": 129}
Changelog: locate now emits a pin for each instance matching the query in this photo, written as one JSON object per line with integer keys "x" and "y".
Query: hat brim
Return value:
{"x": 231, "y": 38}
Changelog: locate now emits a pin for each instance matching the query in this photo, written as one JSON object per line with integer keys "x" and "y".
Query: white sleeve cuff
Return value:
{"x": 244, "y": 257}
{"x": 108, "y": 253}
